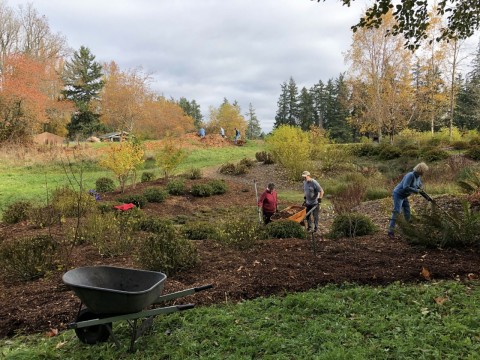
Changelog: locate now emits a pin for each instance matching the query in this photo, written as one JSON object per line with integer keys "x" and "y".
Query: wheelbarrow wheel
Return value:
{"x": 92, "y": 334}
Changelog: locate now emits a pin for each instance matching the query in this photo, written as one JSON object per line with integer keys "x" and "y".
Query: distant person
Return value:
{"x": 222, "y": 132}
{"x": 268, "y": 202}
{"x": 313, "y": 194}
{"x": 237, "y": 135}
{"x": 410, "y": 184}
{"x": 201, "y": 132}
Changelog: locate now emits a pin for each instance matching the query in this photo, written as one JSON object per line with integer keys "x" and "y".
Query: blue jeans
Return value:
{"x": 399, "y": 204}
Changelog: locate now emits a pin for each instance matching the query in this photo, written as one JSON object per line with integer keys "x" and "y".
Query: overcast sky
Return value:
{"x": 208, "y": 50}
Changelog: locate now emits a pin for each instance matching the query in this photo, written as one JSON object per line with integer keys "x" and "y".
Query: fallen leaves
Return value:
{"x": 425, "y": 273}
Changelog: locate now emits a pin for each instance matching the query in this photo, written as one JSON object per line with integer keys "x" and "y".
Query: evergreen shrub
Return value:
{"x": 202, "y": 190}
{"x": 435, "y": 154}
{"x": 28, "y": 258}
{"x": 104, "y": 184}
{"x": 147, "y": 176}
{"x": 473, "y": 153}
{"x": 155, "y": 194}
{"x": 351, "y": 225}
{"x": 176, "y": 187}
{"x": 138, "y": 200}
{"x": 284, "y": 229}
{"x": 218, "y": 187}
{"x": 16, "y": 212}
{"x": 200, "y": 230}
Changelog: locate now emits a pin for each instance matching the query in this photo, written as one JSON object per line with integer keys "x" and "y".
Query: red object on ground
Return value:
{"x": 124, "y": 207}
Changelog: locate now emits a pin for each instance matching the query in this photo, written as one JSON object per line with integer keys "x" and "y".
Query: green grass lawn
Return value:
{"x": 426, "y": 321}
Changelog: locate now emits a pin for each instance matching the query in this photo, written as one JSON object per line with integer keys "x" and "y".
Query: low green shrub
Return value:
{"x": 16, "y": 212}
{"x": 367, "y": 150}
{"x": 112, "y": 233}
{"x": 202, "y": 190}
{"x": 28, "y": 258}
{"x": 460, "y": 145}
{"x": 240, "y": 232}
{"x": 435, "y": 154}
{"x": 218, "y": 187}
{"x": 71, "y": 203}
{"x": 260, "y": 156}
{"x": 194, "y": 173}
{"x": 285, "y": 229}
{"x": 152, "y": 224}
{"x": 432, "y": 227}
{"x": 167, "y": 252}
{"x": 247, "y": 162}
{"x": 389, "y": 152}
{"x": 147, "y": 176}
{"x": 473, "y": 153}
{"x": 377, "y": 193}
{"x": 40, "y": 217}
{"x": 104, "y": 184}
{"x": 351, "y": 225}
{"x": 138, "y": 200}
{"x": 411, "y": 153}
{"x": 200, "y": 230}
{"x": 176, "y": 187}
{"x": 155, "y": 194}
{"x": 227, "y": 169}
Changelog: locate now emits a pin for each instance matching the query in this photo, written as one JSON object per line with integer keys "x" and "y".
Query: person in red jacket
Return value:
{"x": 268, "y": 202}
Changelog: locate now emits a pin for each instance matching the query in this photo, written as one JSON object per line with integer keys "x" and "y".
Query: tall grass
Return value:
{"x": 426, "y": 321}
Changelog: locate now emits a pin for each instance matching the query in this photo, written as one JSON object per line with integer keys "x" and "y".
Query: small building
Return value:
{"x": 114, "y": 136}
{"x": 47, "y": 138}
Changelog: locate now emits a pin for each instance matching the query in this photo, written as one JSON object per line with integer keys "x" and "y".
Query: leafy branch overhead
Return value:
{"x": 413, "y": 18}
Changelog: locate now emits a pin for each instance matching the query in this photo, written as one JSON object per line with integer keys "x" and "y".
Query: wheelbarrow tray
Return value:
{"x": 114, "y": 290}
{"x": 295, "y": 213}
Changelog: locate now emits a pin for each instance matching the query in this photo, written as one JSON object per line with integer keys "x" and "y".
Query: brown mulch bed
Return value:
{"x": 272, "y": 267}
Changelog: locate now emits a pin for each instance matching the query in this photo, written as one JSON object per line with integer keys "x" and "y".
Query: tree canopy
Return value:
{"x": 413, "y": 18}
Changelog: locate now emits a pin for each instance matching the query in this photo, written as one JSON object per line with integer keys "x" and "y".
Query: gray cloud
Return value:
{"x": 209, "y": 50}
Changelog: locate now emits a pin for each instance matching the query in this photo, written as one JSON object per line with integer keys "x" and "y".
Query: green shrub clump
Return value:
{"x": 367, "y": 150}
{"x": 264, "y": 157}
{"x": 16, "y": 212}
{"x": 152, "y": 224}
{"x": 219, "y": 187}
{"x": 351, "y": 225}
{"x": 249, "y": 163}
{"x": 473, "y": 153}
{"x": 389, "y": 152}
{"x": 176, "y": 187}
{"x": 202, "y": 190}
{"x": 147, "y": 176}
{"x": 435, "y": 154}
{"x": 285, "y": 229}
{"x": 194, "y": 173}
{"x": 165, "y": 251}
{"x": 200, "y": 230}
{"x": 155, "y": 195}
{"x": 104, "y": 184}
{"x": 241, "y": 233}
{"x": 71, "y": 203}
{"x": 28, "y": 258}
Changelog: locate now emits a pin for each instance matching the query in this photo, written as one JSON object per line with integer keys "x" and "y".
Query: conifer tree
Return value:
{"x": 253, "y": 126}
{"x": 306, "y": 116}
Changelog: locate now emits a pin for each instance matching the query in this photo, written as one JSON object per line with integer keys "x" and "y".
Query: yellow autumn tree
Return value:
{"x": 227, "y": 116}
{"x": 122, "y": 159}
{"x": 170, "y": 156}
{"x": 379, "y": 75}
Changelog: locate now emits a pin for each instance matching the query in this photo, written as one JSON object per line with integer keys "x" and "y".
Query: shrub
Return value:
{"x": 194, "y": 174}
{"x": 147, "y": 176}
{"x": 247, "y": 162}
{"x": 71, "y": 203}
{"x": 367, "y": 150}
{"x": 285, "y": 229}
{"x": 152, "y": 224}
{"x": 218, "y": 187}
{"x": 433, "y": 227}
{"x": 389, "y": 152}
{"x": 411, "y": 153}
{"x": 351, "y": 225}
{"x": 460, "y": 145}
{"x": 28, "y": 258}
{"x": 241, "y": 233}
{"x": 349, "y": 197}
{"x": 200, "y": 230}
{"x": 16, "y": 212}
{"x": 165, "y": 251}
{"x": 473, "y": 153}
{"x": 111, "y": 233}
{"x": 474, "y": 141}
{"x": 202, "y": 190}
{"x": 377, "y": 193}
{"x": 264, "y": 157}
{"x": 176, "y": 187}
{"x": 227, "y": 169}
{"x": 40, "y": 217}
{"x": 138, "y": 200}
{"x": 435, "y": 154}
{"x": 240, "y": 169}
{"x": 155, "y": 194}
{"x": 104, "y": 184}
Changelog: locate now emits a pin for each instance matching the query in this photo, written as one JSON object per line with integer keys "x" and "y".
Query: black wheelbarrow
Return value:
{"x": 112, "y": 294}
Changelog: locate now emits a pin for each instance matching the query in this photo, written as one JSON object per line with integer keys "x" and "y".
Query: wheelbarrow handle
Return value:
{"x": 204, "y": 287}
{"x": 185, "y": 307}
{"x": 182, "y": 293}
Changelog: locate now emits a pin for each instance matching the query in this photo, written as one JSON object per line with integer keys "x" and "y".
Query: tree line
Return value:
{"x": 44, "y": 86}
{"x": 388, "y": 88}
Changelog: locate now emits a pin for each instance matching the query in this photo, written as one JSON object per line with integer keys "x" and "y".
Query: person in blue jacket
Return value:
{"x": 410, "y": 184}
{"x": 201, "y": 133}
